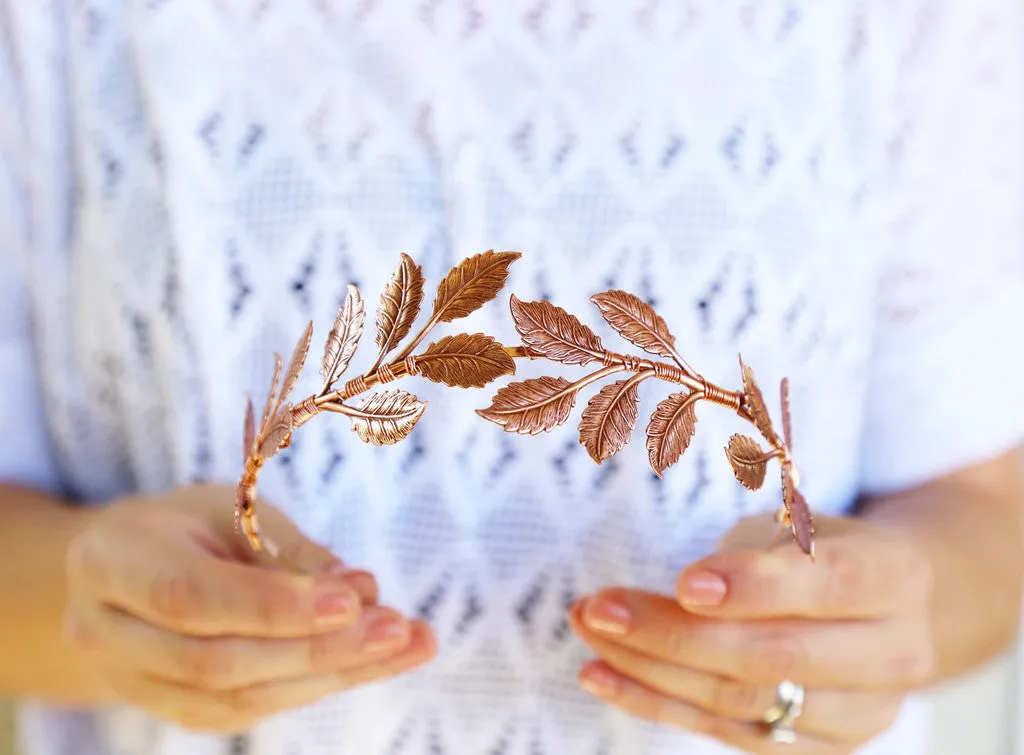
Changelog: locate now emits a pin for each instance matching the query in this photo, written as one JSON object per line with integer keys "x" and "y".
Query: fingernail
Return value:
{"x": 606, "y": 615}
{"x": 385, "y": 634}
{"x": 704, "y": 588}
{"x": 337, "y": 567}
{"x": 334, "y": 610}
{"x": 363, "y": 583}
{"x": 600, "y": 681}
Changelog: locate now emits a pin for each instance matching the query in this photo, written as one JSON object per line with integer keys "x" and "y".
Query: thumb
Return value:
{"x": 297, "y": 552}
{"x": 750, "y": 533}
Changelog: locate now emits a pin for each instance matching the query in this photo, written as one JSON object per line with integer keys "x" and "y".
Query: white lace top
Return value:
{"x": 833, "y": 189}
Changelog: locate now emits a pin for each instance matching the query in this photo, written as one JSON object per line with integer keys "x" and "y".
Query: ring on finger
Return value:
{"x": 782, "y": 716}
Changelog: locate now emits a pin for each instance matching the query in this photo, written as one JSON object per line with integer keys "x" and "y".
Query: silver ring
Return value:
{"x": 781, "y": 717}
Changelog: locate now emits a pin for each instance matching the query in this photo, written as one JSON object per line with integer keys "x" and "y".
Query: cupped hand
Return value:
{"x": 853, "y": 628}
{"x": 186, "y": 622}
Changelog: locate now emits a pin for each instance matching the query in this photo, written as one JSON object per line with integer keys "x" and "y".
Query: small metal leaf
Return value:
{"x": 787, "y": 421}
{"x": 278, "y": 433}
{"x": 803, "y": 525}
{"x": 249, "y": 433}
{"x": 471, "y": 284}
{"x": 399, "y": 304}
{"x": 636, "y": 321}
{"x": 531, "y": 406}
{"x": 295, "y": 365}
{"x": 672, "y": 426}
{"x": 268, "y": 408}
{"x": 387, "y": 417}
{"x": 343, "y": 340}
{"x": 748, "y": 462}
{"x": 554, "y": 333}
{"x": 465, "y": 361}
{"x": 609, "y": 419}
{"x": 754, "y": 401}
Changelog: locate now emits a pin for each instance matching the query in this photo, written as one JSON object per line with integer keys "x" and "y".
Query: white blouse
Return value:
{"x": 833, "y": 189}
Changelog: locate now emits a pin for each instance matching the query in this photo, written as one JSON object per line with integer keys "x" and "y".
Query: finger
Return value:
{"x": 222, "y": 663}
{"x": 236, "y": 710}
{"x": 841, "y": 716}
{"x": 604, "y": 682}
{"x": 867, "y": 655}
{"x": 186, "y": 590}
{"x": 858, "y": 573}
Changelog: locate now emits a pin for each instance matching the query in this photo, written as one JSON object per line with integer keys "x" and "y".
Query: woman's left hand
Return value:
{"x": 853, "y": 628}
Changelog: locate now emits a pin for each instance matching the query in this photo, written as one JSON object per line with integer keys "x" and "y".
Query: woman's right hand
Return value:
{"x": 187, "y": 623}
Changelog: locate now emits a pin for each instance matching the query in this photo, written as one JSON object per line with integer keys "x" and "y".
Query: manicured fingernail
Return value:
{"x": 600, "y": 681}
{"x": 704, "y": 588}
{"x": 334, "y": 610}
{"x": 606, "y": 615}
{"x": 362, "y": 582}
{"x": 385, "y": 634}
{"x": 336, "y": 567}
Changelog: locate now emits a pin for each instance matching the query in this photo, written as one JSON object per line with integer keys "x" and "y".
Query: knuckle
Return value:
{"x": 845, "y": 572}
{"x": 677, "y": 640}
{"x": 915, "y": 666}
{"x": 919, "y": 578}
{"x": 84, "y": 561}
{"x": 175, "y": 595}
{"x": 326, "y": 652}
{"x": 736, "y": 699}
{"x": 775, "y": 658}
{"x": 208, "y": 664}
{"x": 887, "y": 711}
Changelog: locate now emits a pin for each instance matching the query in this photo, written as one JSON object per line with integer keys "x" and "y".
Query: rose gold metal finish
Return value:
{"x": 671, "y": 429}
{"x": 748, "y": 461}
{"x": 527, "y": 407}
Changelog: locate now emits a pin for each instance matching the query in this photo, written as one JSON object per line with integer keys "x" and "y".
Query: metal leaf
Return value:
{"x": 471, "y": 284}
{"x": 554, "y": 333}
{"x": 295, "y": 365}
{"x": 465, "y": 361}
{"x": 399, "y": 304}
{"x": 787, "y": 421}
{"x": 754, "y": 401}
{"x": 532, "y": 406}
{"x": 748, "y": 462}
{"x": 802, "y": 523}
{"x": 343, "y": 340}
{"x": 672, "y": 426}
{"x": 277, "y": 434}
{"x": 268, "y": 408}
{"x": 636, "y": 321}
{"x": 609, "y": 419}
{"x": 387, "y": 417}
{"x": 249, "y": 433}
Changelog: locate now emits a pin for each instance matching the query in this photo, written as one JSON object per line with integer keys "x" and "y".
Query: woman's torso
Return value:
{"x": 236, "y": 164}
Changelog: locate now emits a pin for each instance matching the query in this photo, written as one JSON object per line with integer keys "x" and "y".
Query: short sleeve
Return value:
{"x": 26, "y": 455}
{"x": 945, "y": 377}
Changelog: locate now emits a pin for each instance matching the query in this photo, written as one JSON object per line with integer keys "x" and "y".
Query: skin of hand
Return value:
{"x": 854, "y": 628}
{"x": 183, "y": 620}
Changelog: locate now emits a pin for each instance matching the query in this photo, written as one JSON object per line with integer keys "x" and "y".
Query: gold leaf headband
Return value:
{"x": 527, "y": 407}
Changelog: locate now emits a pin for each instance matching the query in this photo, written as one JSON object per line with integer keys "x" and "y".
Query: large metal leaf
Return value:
{"x": 465, "y": 361}
{"x": 554, "y": 333}
{"x": 748, "y": 462}
{"x": 471, "y": 284}
{"x": 609, "y": 419}
{"x": 399, "y": 304}
{"x": 531, "y": 406}
{"x": 343, "y": 340}
{"x": 636, "y": 321}
{"x": 670, "y": 431}
{"x": 387, "y": 417}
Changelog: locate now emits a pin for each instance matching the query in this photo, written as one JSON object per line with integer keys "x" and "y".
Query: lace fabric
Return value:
{"x": 832, "y": 189}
